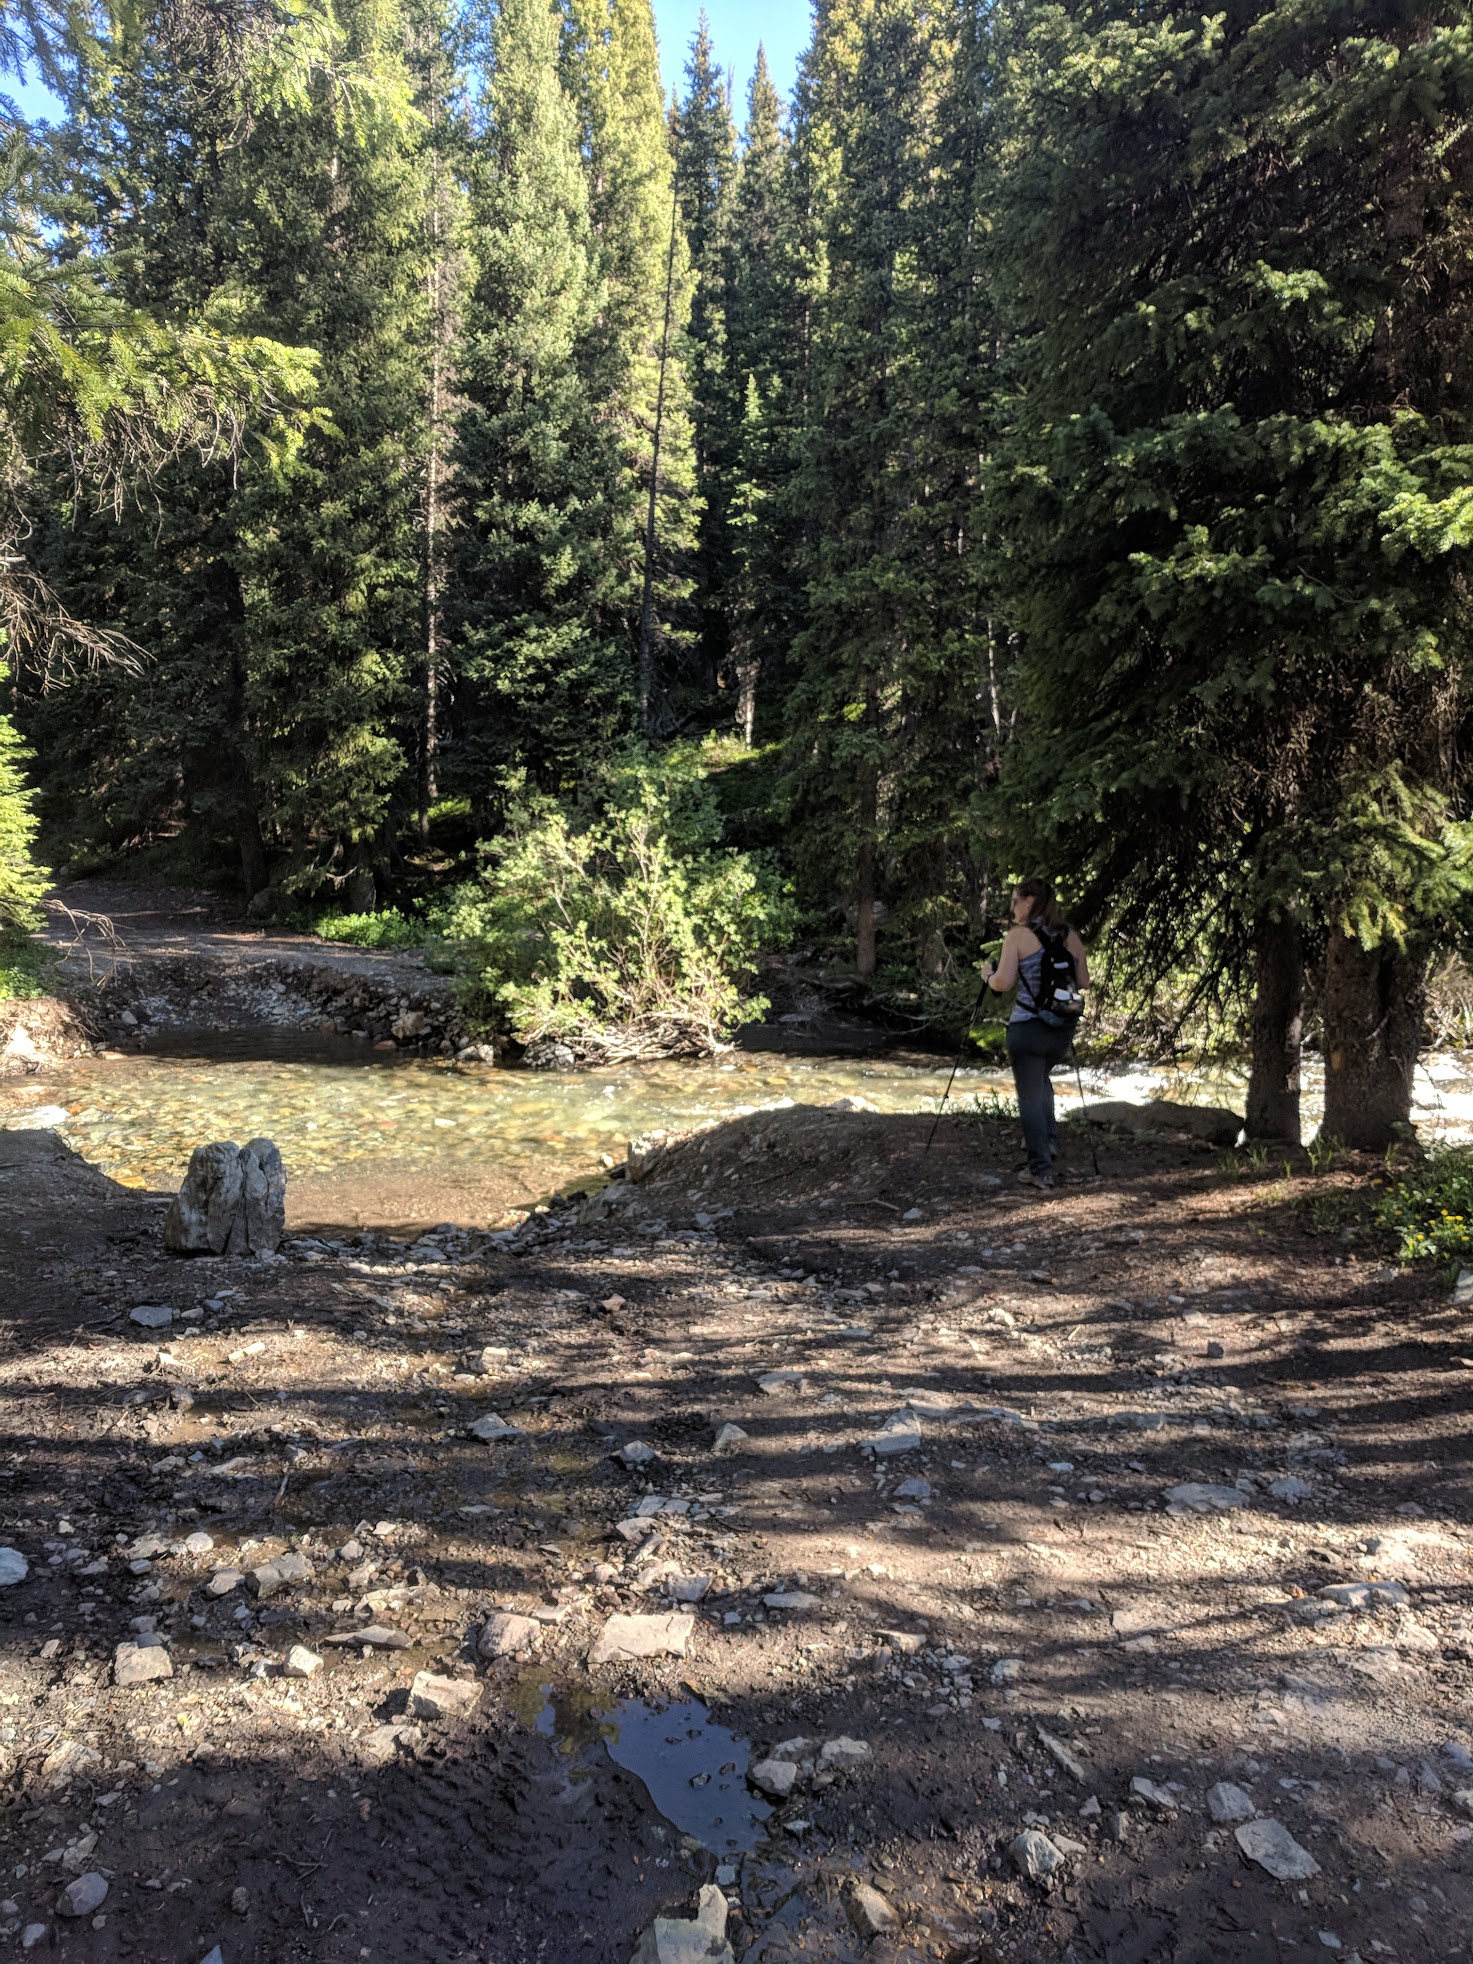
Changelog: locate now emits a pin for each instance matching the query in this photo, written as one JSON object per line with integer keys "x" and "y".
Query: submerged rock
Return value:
{"x": 232, "y": 1202}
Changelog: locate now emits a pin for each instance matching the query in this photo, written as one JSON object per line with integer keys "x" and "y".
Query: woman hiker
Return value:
{"x": 1037, "y": 1040}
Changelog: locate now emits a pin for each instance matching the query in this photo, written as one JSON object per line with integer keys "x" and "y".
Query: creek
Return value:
{"x": 375, "y": 1139}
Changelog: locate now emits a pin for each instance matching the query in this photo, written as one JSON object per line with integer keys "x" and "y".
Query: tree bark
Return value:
{"x": 1278, "y": 1028}
{"x": 1373, "y": 1012}
{"x": 867, "y": 864}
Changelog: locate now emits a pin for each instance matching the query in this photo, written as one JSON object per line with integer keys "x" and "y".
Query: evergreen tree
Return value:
{"x": 279, "y": 605}
{"x": 886, "y": 700}
{"x": 639, "y": 375}
{"x": 543, "y": 607}
{"x": 22, "y": 881}
{"x": 705, "y": 181}
{"x": 765, "y": 367}
{"x": 1237, "y": 251}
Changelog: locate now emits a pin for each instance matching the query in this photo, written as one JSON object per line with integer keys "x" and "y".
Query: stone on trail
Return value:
{"x": 377, "y": 1636}
{"x": 436, "y": 1697}
{"x": 1201, "y": 1497}
{"x": 729, "y": 1438}
{"x": 672, "y": 1941}
{"x": 842, "y": 1751}
{"x": 280, "y": 1571}
{"x": 506, "y": 1635}
{"x": 1291, "y": 1488}
{"x": 1270, "y": 1844}
{"x": 140, "y": 1663}
{"x": 869, "y": 1912}
{"x": 82, "y": 1897}
{"x": 301, "y": 1662}
{"x": 773, "y": 1382}
{"x": 1365, "y": 1595}
{"x": 638, "y": 1452}
{"x": 1036, "y": 1857}
{"x": 493, "y": 1426}
{"x": 13, "y": 1567}
{"x": 643, "y": 1636}
{"x": 1057, "y": 1750}
{"x": 901, "y": 1433}
{"x": 773, "y": 1776}
{"x": 232, "y": 1202}
{"x": 224, "y": 1580}
{"x": 1153, "y": 1795}
{"x": 151, "y": 1316}
{"x": 33, "y": 1934}
{"x": 1227, "y": 1803}
{"x": 1463, "y": 1288}
{"x": 792, "y": 1599}
{"x": 216, "y": 1956}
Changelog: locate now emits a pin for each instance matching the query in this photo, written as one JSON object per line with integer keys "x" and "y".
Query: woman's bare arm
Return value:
{"x": 1005, "y": 975}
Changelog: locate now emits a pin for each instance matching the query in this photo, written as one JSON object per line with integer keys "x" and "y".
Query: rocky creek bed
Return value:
{"x": 1027, "y": 1571}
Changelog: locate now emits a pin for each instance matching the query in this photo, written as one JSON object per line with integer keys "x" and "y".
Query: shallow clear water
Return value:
{"x": 347, "y": 1116}
{"x": 693, "y": 1769}
{"x": 331, "y": 1104}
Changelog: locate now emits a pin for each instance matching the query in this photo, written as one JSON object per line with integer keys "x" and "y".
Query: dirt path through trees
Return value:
{"x": 1070, "y": 1510}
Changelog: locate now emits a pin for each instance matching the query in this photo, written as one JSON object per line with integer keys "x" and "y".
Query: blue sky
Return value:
{"x": 782, "y": 26}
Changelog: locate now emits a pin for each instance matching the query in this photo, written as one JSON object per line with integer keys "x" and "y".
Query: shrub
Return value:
{"x": 22, "y": 881}
{"x": 625, "y": 931}
{"x": 389, "y": 929}
{"x": 1430, "y": 1207}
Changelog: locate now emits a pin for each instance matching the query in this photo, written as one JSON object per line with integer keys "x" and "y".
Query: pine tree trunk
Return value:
{"x": 866, "y": 867}
{"x": 1278, "y": 1028}
{"x": 1373, "y": 1011}
{"x": 746, "y": 672}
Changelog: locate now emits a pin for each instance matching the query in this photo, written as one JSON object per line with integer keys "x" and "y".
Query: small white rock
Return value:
{"x": 13, "y": 1567}
{"x": 506, "y": 1635}
{"x": 139, "y": 1664}
{"x": 774, "y": 1776}
{"x": 435, "y": 1697}
{"x": 1270, "y": 1844}
{"x": 1227, "y": 1803}
{"x": 301, "y": 1662}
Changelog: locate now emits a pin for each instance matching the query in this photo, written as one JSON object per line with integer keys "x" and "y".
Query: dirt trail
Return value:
{"x": 153, "y": 924}
{"x": 1007, "y": 1611}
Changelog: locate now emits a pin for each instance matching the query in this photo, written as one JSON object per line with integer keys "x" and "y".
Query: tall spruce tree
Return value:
{"x": 279, "y": 606}
{"x": 1236, "y": 522}
{"x": 639, "y": 372}
{"x": 705, "y": 180}
{"x": 886, "y": 695}
{"x": 765, "y": 364}
{"x": 544, "y": 608}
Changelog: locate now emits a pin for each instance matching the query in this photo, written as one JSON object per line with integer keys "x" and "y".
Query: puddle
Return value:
{"x": 694, "y": 1770}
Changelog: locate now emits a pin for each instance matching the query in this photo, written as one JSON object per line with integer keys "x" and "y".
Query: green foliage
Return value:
{"x": 983, "y": 1108}
{"x": 22, "y": 882}
{"x": 1232, "y": 491}
{"x": 386, "y": 929}
{"x": 624, "y": 930}
{"x": 1429, "y": 1208}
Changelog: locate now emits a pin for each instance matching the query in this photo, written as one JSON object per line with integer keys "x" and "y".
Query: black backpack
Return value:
{"x": 1058, "y": 1000}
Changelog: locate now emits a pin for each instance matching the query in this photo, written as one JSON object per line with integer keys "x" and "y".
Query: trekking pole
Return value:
{"x": 1083, "y": 1108}
{"x": 966, "y": 1039}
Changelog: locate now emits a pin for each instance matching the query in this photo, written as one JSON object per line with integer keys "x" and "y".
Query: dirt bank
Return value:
{"x": 1008, "y": 1611}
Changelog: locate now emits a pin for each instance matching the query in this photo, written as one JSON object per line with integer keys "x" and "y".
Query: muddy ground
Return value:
{"x": 1009, "y": 1612}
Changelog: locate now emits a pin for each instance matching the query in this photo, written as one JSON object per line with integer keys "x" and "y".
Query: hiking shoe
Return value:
{"x": 1045, "y": 1182}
